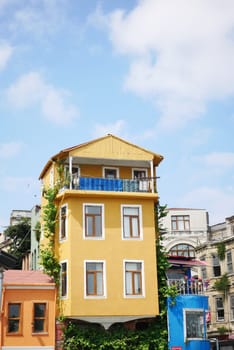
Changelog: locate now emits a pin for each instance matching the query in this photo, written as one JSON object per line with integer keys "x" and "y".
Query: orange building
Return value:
{"x": 27, "y": 311}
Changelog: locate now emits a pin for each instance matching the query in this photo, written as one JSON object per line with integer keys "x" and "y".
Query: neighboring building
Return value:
{"x": 35, "y": 237}
{"x": 105, "y": 237}
{"x": 28, "y": 311}
{"x": 185, "y": 229}
{"x": 18, "y": 215}
{"x": 218, "y": 254}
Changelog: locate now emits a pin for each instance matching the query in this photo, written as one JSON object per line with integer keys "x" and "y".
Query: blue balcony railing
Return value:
{"x": 117, "y": 185}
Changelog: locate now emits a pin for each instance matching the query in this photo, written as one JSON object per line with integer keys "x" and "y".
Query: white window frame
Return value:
{"x": 199, "y": 311}
{"x": 140, "y": 237}
{"x": 134, "y": 296}
{"x": 229, "y": 261}
{"x": 103, "y": 222}
{"x": 217, "y": 309}
{"x": 63, "y": 296}
{"x": 139, "y": 169}
{"x": 62, "y": 239}
{"x": 111, "y": 168}
{"x": 104, "y": 296}
{"x": 231, "y": 297}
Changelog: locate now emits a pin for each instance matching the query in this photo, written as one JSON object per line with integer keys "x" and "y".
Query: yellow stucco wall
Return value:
{"x": 113, "y": 250}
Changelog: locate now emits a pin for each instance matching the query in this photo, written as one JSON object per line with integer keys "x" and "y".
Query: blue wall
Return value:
{"x": 175, "y": 309}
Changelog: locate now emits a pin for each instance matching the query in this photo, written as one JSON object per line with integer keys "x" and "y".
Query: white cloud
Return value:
{"x": 40, "y": 18}
{"x": 6, "y": 51}
{"x": 180, "y": 53}
{"x": 218, "y": 202}
{"x": 219, "y": 159}
{"x": 31, "y": 89}
{"x": 111, "y": 128}
{"x": 10, "y": 149}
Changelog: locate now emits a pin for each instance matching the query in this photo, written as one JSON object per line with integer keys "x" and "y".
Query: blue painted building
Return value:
{"x": 187, "y": 312}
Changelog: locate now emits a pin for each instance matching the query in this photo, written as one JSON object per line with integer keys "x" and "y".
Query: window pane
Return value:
{"x": 128, "y": 283}
{"x": 135, "y": 227}
{"x": 13, "y": 326}
{"x": 39, "y": 325}
{"x": 137, "y": 283}
{"x": 93, "y": 209}
{"x": 90, "y": 289}
{"x": 131, "y": 211}
{"x": 39, "y": 310}
{"x": 194, "y": 324}
{"x": 99, "y": 283}
{"x": 126, "y": 227}
{"x": 98, "y": 226}
{"x": 89, "y": 225}
{"x": 14, "y": 310}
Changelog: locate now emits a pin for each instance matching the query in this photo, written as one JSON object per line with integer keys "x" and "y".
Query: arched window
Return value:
{"x": 182, "y": 250}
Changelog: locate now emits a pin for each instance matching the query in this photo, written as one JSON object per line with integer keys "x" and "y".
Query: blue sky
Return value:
{"x": 158, "y": 73}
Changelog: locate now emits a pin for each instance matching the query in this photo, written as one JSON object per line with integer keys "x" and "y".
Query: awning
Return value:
{"x": 187, "y": 262}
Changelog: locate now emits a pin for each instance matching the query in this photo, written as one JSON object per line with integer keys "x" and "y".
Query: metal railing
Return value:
{"x": 117, "y": 185}
{"x": 189, "y": 286}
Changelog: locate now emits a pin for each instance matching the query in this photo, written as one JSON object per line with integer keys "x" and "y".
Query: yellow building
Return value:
{"x": 105, "y": 232}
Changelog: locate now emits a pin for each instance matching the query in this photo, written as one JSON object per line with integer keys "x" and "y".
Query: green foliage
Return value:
{"x": 37, "y": 231}
{"x": 222, "y": 330}
{"x": 222, "y": 284}
{"x": 20, "y": 236}
{"x": 221, "y": 251}
{"x": 92, "y": 337}
{"x": 48, "y": 260}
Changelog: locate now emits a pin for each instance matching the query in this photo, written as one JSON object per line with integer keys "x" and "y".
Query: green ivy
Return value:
{"x": 48, "y": 260}
{"x": 222, "y": 284}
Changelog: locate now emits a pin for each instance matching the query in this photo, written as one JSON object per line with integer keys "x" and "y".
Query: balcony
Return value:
{"x": 110, "y": 184}
{"x": 188, "y": 286}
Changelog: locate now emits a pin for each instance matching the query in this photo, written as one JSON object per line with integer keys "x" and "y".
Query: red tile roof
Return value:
{"x": 25, "y": 277}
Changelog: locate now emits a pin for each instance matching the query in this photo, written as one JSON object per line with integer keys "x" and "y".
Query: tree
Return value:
{"x": 20, "y": 239}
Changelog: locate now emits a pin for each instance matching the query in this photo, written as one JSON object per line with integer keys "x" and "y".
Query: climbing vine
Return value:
{"x": 49, "y": 262}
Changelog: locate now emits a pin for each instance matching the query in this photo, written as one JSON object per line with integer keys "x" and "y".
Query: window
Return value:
{"x": 219, "y": 309}
{"x": 63, "y": 223}
{"x": 133, "y": 278}
{"x": 194, "y": 324}
{"x": 63, "y": 279}
{"x": 93, "y": 221}
{"x": 203, "y": 269}
{"x": 229, "y": 261}
{"x": 180, "y": 223}
{"x": 182, "y": 250}
{"x": 39, "y": 317}
{"x": 232, "y": 307}
{"x": 131, "y": 217}
{"x": 14, "y": 318}
{"x": 216, "y": 265}
{"x": 111, "y": 173}
{"x": 94, "y": 277}
{"x": 139, "y": 173}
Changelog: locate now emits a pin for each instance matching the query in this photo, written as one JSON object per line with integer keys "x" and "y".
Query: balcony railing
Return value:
{"x": 189, "y": 286}
{"x": 116, "y": 185}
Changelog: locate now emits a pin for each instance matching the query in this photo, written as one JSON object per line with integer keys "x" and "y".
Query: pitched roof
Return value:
{"x": 25, "y": 277}
{"x": 65, "y": 152}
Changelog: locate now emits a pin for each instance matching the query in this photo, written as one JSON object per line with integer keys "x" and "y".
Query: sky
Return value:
{"x": 157, "y": 73}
